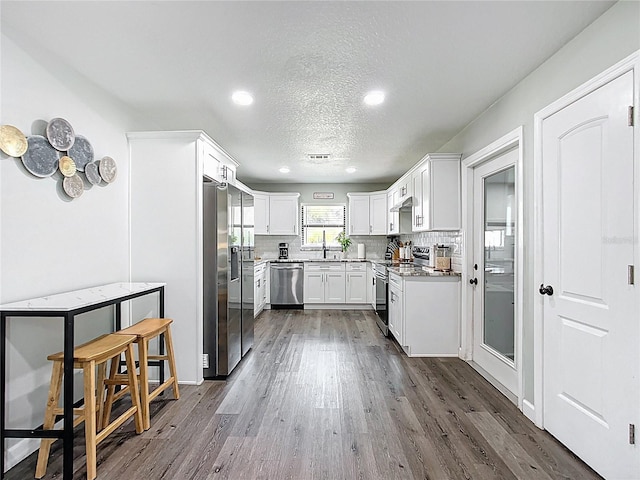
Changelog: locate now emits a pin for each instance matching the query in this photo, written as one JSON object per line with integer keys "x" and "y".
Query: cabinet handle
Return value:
{"x": 370, "y": 228}
{"x": 267, "y": 228}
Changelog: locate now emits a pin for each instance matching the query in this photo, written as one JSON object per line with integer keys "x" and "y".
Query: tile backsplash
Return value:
{"x": 267, "y": 247}
{"x": 453, "y": 239}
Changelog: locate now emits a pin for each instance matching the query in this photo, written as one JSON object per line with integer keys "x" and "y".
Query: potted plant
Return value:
{"x": 345, "y": 243}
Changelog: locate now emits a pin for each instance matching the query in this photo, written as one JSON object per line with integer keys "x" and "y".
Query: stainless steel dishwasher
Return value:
{"x": 287, "y": 280}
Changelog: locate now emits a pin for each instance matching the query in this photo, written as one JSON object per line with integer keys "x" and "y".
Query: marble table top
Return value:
{"x": 67, "y": 301}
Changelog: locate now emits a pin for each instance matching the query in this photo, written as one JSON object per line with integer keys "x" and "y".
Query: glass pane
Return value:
{"x": 499, "y": 280}
{"x": 317, "y": 215}
{"x": 313, "y": 236}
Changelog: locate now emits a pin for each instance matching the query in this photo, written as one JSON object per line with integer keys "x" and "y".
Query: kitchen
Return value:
{"x": 95, "y": 231}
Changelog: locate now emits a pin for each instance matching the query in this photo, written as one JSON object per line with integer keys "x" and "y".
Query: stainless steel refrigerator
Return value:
{"x": 228, "y": 277}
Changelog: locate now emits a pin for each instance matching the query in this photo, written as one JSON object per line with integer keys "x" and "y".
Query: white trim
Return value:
{"x": 529, "y": 410}
{"x": 632, "y": 62}
{"x": 503, "y": 144}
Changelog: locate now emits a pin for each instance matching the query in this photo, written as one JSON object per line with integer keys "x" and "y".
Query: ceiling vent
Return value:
{"x": 319, "y": 156}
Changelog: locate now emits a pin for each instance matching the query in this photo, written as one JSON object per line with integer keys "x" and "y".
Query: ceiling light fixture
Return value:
{"x": 242, "y": 98}
{"x": 350, "y": 169}
{"x": 284, "y": 170}
{"x": 375, "y": 97}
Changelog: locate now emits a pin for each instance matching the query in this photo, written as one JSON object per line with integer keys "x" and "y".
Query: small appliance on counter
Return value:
{"x": 443, "y": 257}
{"x": 433, "y": 256}
{"x": 283, "y": 251}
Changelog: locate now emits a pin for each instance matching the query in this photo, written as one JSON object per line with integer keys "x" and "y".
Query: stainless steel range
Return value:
{"x": 381, "y": 282}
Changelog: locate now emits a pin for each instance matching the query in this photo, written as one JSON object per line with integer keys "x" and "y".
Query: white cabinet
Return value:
{"x": 396, "y": 308}
{"x": 276, "y": 213}
{"x": 424, "y": 314}
{"x": 378, "y": 213}
{"x": 356, "y": 290}
{"x": 324, "y": 282}
{"x": 359, "y": 214}
{"x": 404, "y": 187}
{"x": 367, "y": 213}
{"x": 393, "y": 217}
{"x": 260, "y": 289}
{"x": 216, "y": 165}
{"x": 261, "y": 213}
{"x": 334, "y": 287}
{"x": 436, "y": 203}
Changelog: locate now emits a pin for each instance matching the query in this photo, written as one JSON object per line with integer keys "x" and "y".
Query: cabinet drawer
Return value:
{"x": 395, "y": 281}
{"x": 324, "y": 267}
{"x": 356, "y": 266}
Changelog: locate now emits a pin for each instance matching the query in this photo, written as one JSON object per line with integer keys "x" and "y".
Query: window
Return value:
{"x": 322, "y": 220}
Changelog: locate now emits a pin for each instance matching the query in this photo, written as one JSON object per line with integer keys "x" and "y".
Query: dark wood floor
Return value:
{"x": 323, "y": 395}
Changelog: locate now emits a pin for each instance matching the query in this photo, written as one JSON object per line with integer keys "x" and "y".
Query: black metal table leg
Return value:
{"x": 3, "y": 336}
{"x": 67, "y": 438}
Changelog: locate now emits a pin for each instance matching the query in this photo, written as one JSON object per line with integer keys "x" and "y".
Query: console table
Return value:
{"x": 66, "y": 305}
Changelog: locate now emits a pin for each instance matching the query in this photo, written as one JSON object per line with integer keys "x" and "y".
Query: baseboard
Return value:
{"x": 337, "y": 306}
{"x": 529, "y": 410}
{"x": 20, "y": 451}
{"x": 433, "y": 355}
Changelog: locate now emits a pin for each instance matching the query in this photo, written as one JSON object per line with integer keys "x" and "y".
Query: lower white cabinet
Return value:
{"x": 424, "y": 314}
{"x": 260, "y": 288}
{"x": 356, "y": 285}
{"x": 324, "y": 282}
{"x": 396, "y": 308}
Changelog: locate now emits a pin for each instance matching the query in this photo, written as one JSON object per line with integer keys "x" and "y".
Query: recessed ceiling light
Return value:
{"x": 350, "y": 169}
{"x": 375, "y": 97}
{"x": 284, "y": 170}
{"x": 242, "y": 98}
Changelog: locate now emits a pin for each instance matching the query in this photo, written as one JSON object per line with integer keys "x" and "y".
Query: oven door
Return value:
{"x": 382, "y": 292}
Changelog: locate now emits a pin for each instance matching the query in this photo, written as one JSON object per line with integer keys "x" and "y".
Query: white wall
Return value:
{"x": 49, "y": 243}
{"x": 612, "y": 37}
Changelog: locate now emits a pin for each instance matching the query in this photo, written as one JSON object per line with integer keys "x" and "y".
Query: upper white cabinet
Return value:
{"x": 404, "y": 187}
{"x": 276, "y": 213}
{"x": 261, "y": 213}
{"x": 367, "y": 213}
{"x": 436, "y": 201}
{"x": 393, "y": 217}
{"x": 216, "y": 165}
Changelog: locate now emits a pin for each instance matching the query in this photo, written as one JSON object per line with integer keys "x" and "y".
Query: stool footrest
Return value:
{"x": 161, "y": 388}
{"x": 115, "y": 424}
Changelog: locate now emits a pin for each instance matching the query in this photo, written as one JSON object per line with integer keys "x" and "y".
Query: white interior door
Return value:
{"x": 494, "y": 233}
{"x": 591, "y": 318}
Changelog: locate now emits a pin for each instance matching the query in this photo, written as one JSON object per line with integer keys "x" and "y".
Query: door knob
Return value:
{"x": 473, "y": 281}
{"x": 548, "y": 290}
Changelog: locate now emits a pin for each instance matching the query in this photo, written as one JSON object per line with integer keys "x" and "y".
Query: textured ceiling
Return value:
{"x": 308, "y": 64}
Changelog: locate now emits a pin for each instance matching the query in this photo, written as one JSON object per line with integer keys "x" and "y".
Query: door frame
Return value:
{"x": 511, "y": 140}
{"x": 630, "y": 63}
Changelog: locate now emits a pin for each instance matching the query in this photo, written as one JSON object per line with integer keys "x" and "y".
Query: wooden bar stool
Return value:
{"x": 87, "y": 357}
{"x": 144, "y": 331}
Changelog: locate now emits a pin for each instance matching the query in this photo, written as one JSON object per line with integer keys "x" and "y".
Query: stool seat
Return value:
{"x": 147, "y": 328}
{"x": 97, "y": 350}
{"x": 144, "y": 331}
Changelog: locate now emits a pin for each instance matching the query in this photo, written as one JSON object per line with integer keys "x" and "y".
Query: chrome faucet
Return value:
{"x": 324, "y": 245}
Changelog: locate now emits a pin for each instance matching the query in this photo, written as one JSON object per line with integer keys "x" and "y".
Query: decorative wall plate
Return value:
{"x": 67, "y": 166}
{"x": 92, "y": 173}
{"x": 81, "y": 152}
{"x": 60, "y": 134}
{"x": 108, "y": 169}
{"x": 73, "y": 186}
{"x": 40, "y": 159}
{"x": 12, "y": 141}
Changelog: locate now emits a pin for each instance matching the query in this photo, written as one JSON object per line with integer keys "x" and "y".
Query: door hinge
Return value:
{"x": 631, "y": 275}
{"x": 630, "y": 116}
{"x": 205, "y": 360}
{"x": 632, "y": 434}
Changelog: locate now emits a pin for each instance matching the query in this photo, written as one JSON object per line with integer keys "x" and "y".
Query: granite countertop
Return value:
{"x": 417, "y": 271}
{"x": 314, "y": 260}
